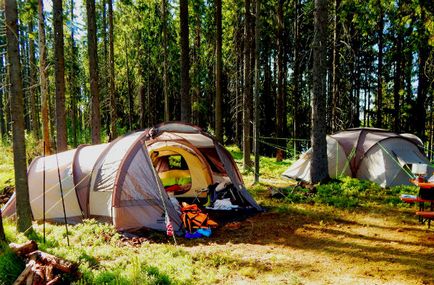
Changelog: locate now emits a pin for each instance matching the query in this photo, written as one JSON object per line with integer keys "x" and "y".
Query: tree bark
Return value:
{"x": 218, "y": 82}
{"x": 185, "y": 63}
{"x": 43, "y": 77}
{"x": 112, "y": 90}
{"x": 165, "y": 64}
{"x": 247, "y": 95}
{"x": 319, "y": 163}
{"x": 24, "y": 213}
{"x": 93, "y": 72}
{"x": 32, "y": 88}
{"x": 59, "y": 70}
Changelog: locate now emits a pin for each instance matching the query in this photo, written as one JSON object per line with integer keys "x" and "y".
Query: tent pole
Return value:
{"x": 43, "y": 194}
{"x": 63, "y": 200}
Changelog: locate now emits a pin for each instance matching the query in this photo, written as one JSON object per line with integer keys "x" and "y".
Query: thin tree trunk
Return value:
{"x": 335, "y": 64}
{"x": 280, "y": 102}
{"x": 93, "y": 72}
{"x": 397, "y": 86}
{"x": 2, "y": 95}
{"x": 43, "y": 75}
{"x": 24, "y": 213}
{"x": 379, "y": 122}
{"x": 32, "y": 87}
{"x": 130, "y": 92}
{"x": 185, "y": 63}
{"x": 72, "y": 83}
{"x": 165, "y": 64}
{"x": 219, "y": 64}
{"x": 319, "y": 163}
{"x": 257, "y": 71}
{"x": 296, "y": 75}
{"x": 197, "y": 67}
{"x": 247, "y": 95}
{"x": 59, "y": 70}
{"x": 112, "y": 90}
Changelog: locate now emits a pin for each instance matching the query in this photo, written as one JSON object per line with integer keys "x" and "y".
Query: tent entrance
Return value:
{"x": 182, "y": 171}
{"x": 174, "y": 173}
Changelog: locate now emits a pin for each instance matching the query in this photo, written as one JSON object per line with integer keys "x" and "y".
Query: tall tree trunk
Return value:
{"x": 423, "y": 81}
{"x": 397, "y": 86}
{"x": 218, "y": 82}
{"x": 24, "y": 213}
{"x": 379, "y": 122}
{"x": 72, "y": 80}
{"x": 280, "y": 102}
{"x": 185, "y": 63}
{"x": 296, "y": 102}
{"x": 32, "y": 87}
{"x": 197, "y": 68}
{"x": 2, "y": 95}
{"x": 130, "y": 91}
{"x": 256, "y": 93}
{"x": 335, "y": 64}
{"x": 247, "y": 95}
{"x": 43, "y": 78}
{"x": 93, "y": 72}
{"x": 112, "y": 90}
{"x": 165, "y": 64}
{"x": 319, "y": 163}
{"x": 59, "y": 70}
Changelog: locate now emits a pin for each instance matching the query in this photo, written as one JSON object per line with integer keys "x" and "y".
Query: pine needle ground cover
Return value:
{"x": 365, "y": 237}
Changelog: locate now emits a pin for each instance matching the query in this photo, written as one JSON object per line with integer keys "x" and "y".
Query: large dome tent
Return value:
{"x": 373, "y": 154}
{"x": 118, "y": 183}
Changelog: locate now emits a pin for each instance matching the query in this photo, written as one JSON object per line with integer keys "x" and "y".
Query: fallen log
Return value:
{"x": 56, "y": 262}
{"x": 24, "y": 249}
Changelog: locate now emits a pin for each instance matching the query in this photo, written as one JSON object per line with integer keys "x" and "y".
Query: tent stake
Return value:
{"x": 63, "y": 200}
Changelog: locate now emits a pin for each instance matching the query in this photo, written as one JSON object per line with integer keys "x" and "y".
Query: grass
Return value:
{"x": 350, "y": 231}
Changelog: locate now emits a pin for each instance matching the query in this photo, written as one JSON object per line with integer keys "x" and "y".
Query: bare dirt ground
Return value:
{"x": 311, "y": 244}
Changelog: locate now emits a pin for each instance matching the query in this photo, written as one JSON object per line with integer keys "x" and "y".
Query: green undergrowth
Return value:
{"x": 6, "y": 167}
{"x": 348, "y": 192}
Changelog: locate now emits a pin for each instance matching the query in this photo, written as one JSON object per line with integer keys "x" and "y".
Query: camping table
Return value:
{"x": 426, "y": 195}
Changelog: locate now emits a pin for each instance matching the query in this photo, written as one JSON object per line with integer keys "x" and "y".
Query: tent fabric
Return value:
{"x": 367, "y": 153}
{"x": 118, "y": 182}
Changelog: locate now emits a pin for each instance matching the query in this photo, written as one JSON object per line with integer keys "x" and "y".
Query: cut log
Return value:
{"x": 56, "y": 262}
{"x": 24, "y": 249}
{"x": 23, "y": 277}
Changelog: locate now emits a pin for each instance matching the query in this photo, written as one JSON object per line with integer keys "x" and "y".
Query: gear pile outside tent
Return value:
{"x": 378, "y": 155}
{"x": 117, "y": 182}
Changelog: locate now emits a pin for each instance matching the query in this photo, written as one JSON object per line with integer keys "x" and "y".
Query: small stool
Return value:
{"x": 426, "y": 215}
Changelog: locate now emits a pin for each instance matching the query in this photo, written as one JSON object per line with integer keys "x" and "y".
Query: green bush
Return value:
{"x": 347, "y": 192}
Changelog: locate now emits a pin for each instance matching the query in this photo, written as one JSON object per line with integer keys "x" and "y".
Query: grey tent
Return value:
{"x": 121, "y": 182}
{"x": 373, "y": 154}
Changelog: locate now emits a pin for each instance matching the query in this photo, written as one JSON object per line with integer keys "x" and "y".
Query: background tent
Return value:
{"x": 117, "y": 182}
{"x": 373, "y": 154}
